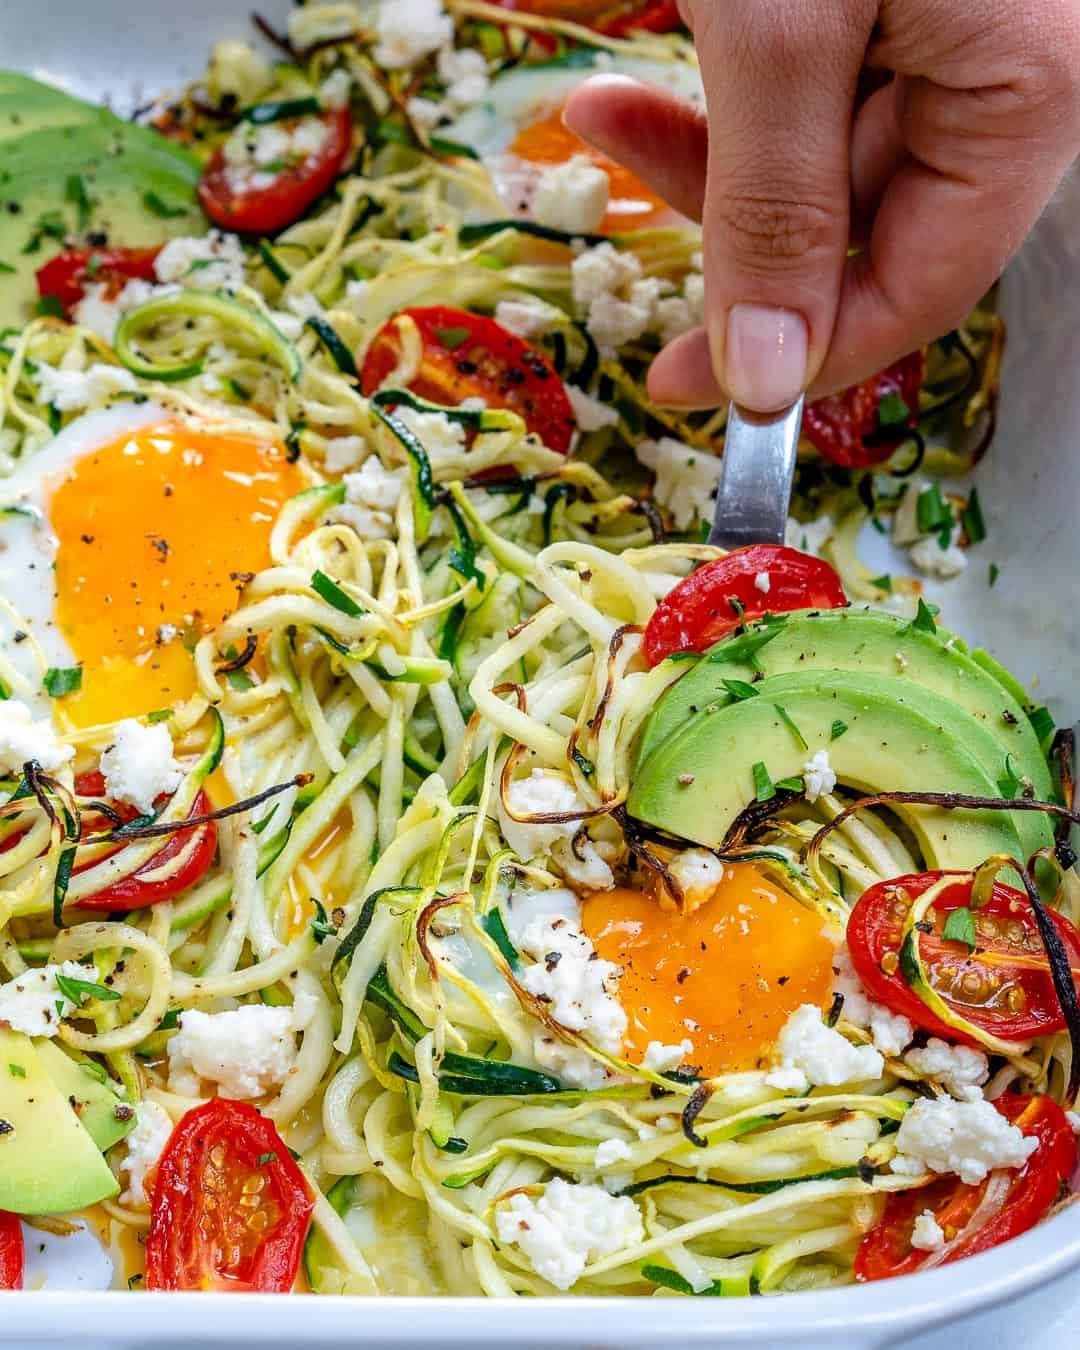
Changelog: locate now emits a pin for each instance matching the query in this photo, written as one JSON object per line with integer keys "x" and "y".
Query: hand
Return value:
{"x": 937, "y": 175}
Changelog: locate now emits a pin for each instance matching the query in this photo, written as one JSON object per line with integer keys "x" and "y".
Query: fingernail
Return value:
{"x": 765, "y": 357}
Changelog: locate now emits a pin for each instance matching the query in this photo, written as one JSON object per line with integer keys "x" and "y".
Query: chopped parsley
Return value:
{"x": 923, "y": 622}
{"x": 764, "y": 787}
{"x": 452, "y": 338}
{"x": 159, "y": 715}
{"x": 6, "y": 267}
{"x": 960, "y": 927}
{"x": 892, "y": 410}
{"x": 972, "y": 519}
{"x": 933, "y": 513}
{"x": 1042, "y": 722}
{"x": 77, "y": 990}
{"x": 160, "y": 207}
{"x": 50, "y": 307}
{"x": 788, "y": 721}
{"x": 16, "y": 1071}
{"x": 883, "y": 582}
{"x": 60, "y": 680}
{"x": 739, "y": 689}
{"x": 995, "y": 572}
{"x": 75, "y": 192}
{"x": 838, "y": 729}
{"x": 265, "y": 1158}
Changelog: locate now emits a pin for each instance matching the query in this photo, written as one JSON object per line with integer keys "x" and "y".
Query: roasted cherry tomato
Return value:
{"x": 66, "y": 276}
{"x": 12, "y": 1252}
{"x": 467, "y": 356}
{"x": 236, "y": 203}
{"x": 230, "y": 1208}
{"x": 613, "y": 17}
{"x": 714, "y": 600}
{"x": 1002, "y": 987}
{"x": 137, "y": 891}
{"x": 887, "y": 1251}
{"x": 854, "y": 428}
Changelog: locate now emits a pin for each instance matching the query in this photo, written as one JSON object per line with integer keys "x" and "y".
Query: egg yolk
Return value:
{"x": 631, "y": 206}
{"x": 156, "y": 531}
{"x": 726, "y": 977}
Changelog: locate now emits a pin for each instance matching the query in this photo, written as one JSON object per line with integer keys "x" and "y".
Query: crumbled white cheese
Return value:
{"x": 528, "y": 318}
{"x": 139, "y": 764}
{"x": 813, "y": 1054}
{"x": 215, "y": 260}
{"x": 890, "y": 1031}
{"x": 810, "y": 536}
{"x": 101, "y": 315}
{"x": 23, "y": 739}
{"x": 441, "y": 438}
{"x": 573, "y": 982}
{"x": 581, "y": 863}
{"x": 927, "y": 1235}
{"x": 153, "y": 1128}
{"x": 567, "y": 1226}
{"x": 612, "y": 1151}
{"x": 572, "y": 196}
{"x": 960, "y": 1069}
{"x": 694, "y": 293}
{"x": 968, "y": 1138}
{"x": 1073, "y": 1117}
{"x": 569, "y": 1063}
{"x": 544, "y": 792}
{"x": 371, "y": 498}
{"x": 763, "y": 583}
{"x": 673, "y": 318}
{"x": 246, "y": 1051}
{"x": 661, "y": 1058}
{"x": 33, "y": 1004}
{"x": 934, "y": 561}
{"x": 335, "y": 89}
{"x": 819, "y": 777}
{"x": 619, "y": 303}
{"x": 589, "y": 413}
{"x": 601, "y": 271}
{"x": 686, "y": 479}
{"x": 697, "y": 873}
{"x": 356, "y": 296}
{"x": 464, "y": 71}
{"x": 73, "y": 390}
{"x": 408, "y": 30}
{"x": 344, "y": 452}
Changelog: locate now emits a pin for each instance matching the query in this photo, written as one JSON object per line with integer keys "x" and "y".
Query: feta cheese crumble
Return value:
{"x": 686, "y": 479}
{"x": 815, "y": 1055}
{"x": 763, "y": 583}
{"x": 567, "y": 1226}
{"x": 572, "y": 196}
{"x": 139, "y": 764}
{"x": 697, "y": 873}
{"x": 661, "y": 1058}
{"x": 32, "y": 1002}
{"x": 618, "y": 302}
{"x": 819, "y": 777}
{"x": 969, "y": 1138}
{"x": 209, "y": 262}
{"x": 927, "y": 1234}
{"x": 23, "y": 739}
{"x": 371, "y": 498}
{"x": 889, "y": 1031}
{"x": 934, "y": 561}
{"x": 442, "y": 439}
{"x": 589, "y": 413}
{"x": 960, "y": 1069}
{"x": 73, "y": 390}
{"x": 246, "y": 1051}
{"x": 527, "y": 318}
{"x": 612, "y": 1151}
{"x": 547, "y": 792}
{"x": 408, "y": 30}
{"x": 344, "y": 452}
{"x": 153, "y": 1128}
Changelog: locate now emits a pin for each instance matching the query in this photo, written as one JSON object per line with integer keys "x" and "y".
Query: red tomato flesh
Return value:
{"x": 230, "y": 1208}
{"x": 137, "y": 891}
{"x": 265, "y": 210}
{"x": 846, "y": 427}
{"x": 1003, "y": 987}
{"x": 12, "y": 1251}
{"x": 67, "y": 275}
{"x": 887, "y": 1251}
{"x": 699, "y": 611}
{"x": 469, "y": 356}
{"x": 613, "y": 17}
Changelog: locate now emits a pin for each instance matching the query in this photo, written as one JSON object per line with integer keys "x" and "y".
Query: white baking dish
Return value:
{"x": 123, "y": 50}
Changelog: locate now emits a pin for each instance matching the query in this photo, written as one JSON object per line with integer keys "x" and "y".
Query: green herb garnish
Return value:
{"x": 932, "y": 511}
{"x": 960, "y": 927}
{"x": 995, "y": 572}
{"x": 265, "y": 1158}
{"x": 838, "y": 729}
{"x": 739, "y": 689}
{"x": 923, "y": 622}
{"x": 60, "y": 680}
{"x": 452, "y": 338}
{"x": 159, "y": 715}
{"x": 972, "y": 519}
{"x": 321, "y": 927}
{"x": 892, "y": 410}
{"x": 1042, "y": 722}
{"x": 50, "y": 307}
{"x": 77, "y": 990}
{"x": 16, "y": 1071}
{"x": 883, "y": 582}
{"x": 75, "y": 192}
{"x": 764, "y": 787}
{"x": 161, "y": 208}
{"x": 788, "y": 721}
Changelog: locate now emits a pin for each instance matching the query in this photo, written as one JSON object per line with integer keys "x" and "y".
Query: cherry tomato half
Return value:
{"x": 468, "y": 356}
{"x": 230, "y": 1208}
{"x": 139, "y": 890}
{"x": 848, "y": 427}
{"x": 264, "y": 210}
{"x": 887, "y": 1251}
{"x": 699, "y": 611}
{"x": 1002, "y": 987}
{"x": 12, "y": 1251}
{"x": 66, "y": 276}
{"x": 613, "y": 17}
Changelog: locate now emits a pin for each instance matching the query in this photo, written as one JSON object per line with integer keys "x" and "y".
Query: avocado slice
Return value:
{"x": 48, "y": 1162}
{"x": 870, "y": 641}
{"x": 93, "y": 1099}
{"x": 60, "y": 148}
{"x": 898, "y": 737}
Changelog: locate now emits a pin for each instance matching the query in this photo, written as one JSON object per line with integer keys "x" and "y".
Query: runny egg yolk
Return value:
{"x": 154, "y": 533}
{"x": 631, "y": 206}
{"x": 726, "y": 977}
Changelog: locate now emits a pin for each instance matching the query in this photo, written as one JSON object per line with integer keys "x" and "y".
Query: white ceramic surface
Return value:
{"x": 1030, "y": 484}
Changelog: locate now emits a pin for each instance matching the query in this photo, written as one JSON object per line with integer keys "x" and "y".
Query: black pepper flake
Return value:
{"x": 783, "y": 979}
{"x": 87, "y": 538}
{"x": 19, "y": 635}
{"x": 924, "y": 926}
{"x": 867, "y": 1171}
{"x": 6, "y": 1127}
{"x": 123, "y": 1112}
{"x": 683, "y": 975}
{"x": 551, "y": 960}
{"x": 1009, "y": 718}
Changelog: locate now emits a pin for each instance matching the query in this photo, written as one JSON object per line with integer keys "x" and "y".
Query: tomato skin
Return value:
{"x": 199, "y": 1235}
{"x": 698, "y": 612}
{"x": 65, "y": 276}
{"x": 614, "y": 18}
{"x": 873, "y": 931}
{"x": 134, "y": 892}
{"x": 12, "y": 1251}
{"x": 267, "y": 210}
{"x": 886, "y": 1250}
{"x": 490, "y": 363}
{"x": 844, "y": 427}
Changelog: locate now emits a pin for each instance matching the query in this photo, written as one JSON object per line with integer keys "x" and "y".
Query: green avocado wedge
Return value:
{"x": 874, "y": 643}
{"x": 897, "y": 737}
{"x": 103, "y": 1114}
{"x": 74, "y": 173}
{"x": 48, "y": 1162}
